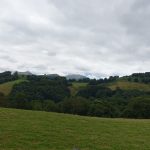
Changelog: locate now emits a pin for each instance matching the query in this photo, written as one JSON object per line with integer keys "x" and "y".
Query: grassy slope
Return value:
{"x": 6, "y": 87}
{"x": 76, "y": 87}
{"x": 123, "y": 84}
{"x": 129, "y": 85}
{"x": 22, "y": 130}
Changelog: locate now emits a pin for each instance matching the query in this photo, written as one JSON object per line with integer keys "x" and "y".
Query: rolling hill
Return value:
{"x": 123, "y": 84}
{"x": 76, "y": 86}
{"x": 6, "y": 87}
{"x": 126, "y": 85}
{"x": 23, "y": 129}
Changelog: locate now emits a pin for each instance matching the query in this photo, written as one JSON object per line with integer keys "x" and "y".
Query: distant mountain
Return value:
{"x": 51, "y": 76}
{"x": 26, "y": 73}
{"x": 75, "y": 77}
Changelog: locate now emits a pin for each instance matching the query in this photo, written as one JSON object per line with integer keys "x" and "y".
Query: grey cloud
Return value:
{"x": 8, "y": 58}
{"x": 33, "y": 68}
{"x": 136, "y": 21}
{"x": 94, "y": 37}
{"x": 52, "y": 53}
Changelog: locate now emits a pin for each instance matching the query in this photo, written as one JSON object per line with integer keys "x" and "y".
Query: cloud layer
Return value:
{"x": 91, "y": 37}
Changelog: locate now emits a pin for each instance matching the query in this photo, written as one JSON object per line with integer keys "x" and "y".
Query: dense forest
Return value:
{"x": 96, "y": 98}
{"x": 8, "y": 76}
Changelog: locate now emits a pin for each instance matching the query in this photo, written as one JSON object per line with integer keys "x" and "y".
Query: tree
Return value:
{"x": 102, "y": 109}
{"x": 3, "y": 100}
{"x": 36, "y": 105}
{"x": 41, "y": 88}
{"x": 49, "y": 105}
{"x": 75, "y": 105}
{"x": 138, "y": 108}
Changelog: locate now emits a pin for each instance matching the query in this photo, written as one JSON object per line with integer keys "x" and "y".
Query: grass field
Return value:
{"x": 6, "y": 87}
{"x": 76, "y": 86}
{"x": 129, "y": 85}
{"x": 33, "y": 130}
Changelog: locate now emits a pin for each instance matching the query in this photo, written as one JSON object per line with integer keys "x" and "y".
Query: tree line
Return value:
{"x": 140, "y": 77}
{"x": 95, "y": 99}
{"x": 8, "y": 76}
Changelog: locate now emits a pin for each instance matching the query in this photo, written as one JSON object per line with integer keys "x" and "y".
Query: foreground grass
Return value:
{"x": 7, "y": 87}
{"x": 126, "y": 85}
{"x": 27, "y": 130}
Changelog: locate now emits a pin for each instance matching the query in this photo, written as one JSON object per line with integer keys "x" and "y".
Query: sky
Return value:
{"x": 97, "y": 38}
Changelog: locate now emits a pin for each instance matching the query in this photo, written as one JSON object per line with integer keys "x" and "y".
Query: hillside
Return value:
{"x": 21, "y": 129}
{"x": 89, "y": 97}
{"x": 76, "y": 86}
{"x": 7, "y": 87}
{"x": 123, "y": 84}
{"x": 126, "y": 85}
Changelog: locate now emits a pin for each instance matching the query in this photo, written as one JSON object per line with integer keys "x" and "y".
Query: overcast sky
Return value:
{"x": 91, "y": 37}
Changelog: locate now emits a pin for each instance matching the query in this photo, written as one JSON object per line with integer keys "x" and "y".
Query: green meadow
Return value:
{"x": 76, "y": 86}
{"x": 35, "y": 130}
{"x": 7, "y": 87}
{"x": 126, "y": 85}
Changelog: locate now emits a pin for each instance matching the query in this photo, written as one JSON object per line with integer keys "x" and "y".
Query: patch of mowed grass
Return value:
{"x": 23, "y": 130}
{"x": 76, "y": 86}
{"x": 126, "y": 85}
{"x": 7, "y": 87}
